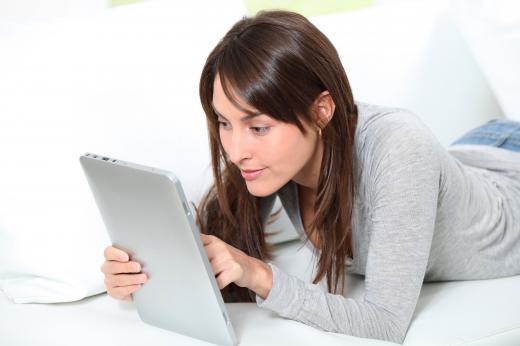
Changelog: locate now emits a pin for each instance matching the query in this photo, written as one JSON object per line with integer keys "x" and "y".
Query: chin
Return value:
{"x": 258, "y": 189}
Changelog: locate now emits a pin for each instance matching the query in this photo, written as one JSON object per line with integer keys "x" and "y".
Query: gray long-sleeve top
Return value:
{"x": 422, "y": 213}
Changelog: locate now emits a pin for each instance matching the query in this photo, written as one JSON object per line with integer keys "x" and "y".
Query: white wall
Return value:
{"x": 45, "y": 10}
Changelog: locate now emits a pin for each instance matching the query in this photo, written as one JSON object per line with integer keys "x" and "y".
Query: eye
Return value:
{"x": 223, "y": 124}
{"x": 260, "y": 130}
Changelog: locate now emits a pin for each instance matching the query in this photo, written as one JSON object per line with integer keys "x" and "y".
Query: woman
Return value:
{"x": 369, "y": 186}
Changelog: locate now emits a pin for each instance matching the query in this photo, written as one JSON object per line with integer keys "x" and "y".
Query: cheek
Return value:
{"x": 224, "y": 140}
{"x": 287, "y": 148}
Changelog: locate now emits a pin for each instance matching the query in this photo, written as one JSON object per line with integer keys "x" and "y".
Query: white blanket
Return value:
{"x": 451, "y": 313}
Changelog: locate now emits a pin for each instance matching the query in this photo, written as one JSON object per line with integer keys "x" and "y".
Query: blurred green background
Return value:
{"x": 308, "y": 7}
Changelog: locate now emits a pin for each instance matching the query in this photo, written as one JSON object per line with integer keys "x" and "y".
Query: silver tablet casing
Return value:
{"x": 146, "y": 214}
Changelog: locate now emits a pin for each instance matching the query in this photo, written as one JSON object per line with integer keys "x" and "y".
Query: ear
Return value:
{"x": 324, "y": 108}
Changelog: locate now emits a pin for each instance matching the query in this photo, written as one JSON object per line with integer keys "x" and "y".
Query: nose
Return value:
{"x": 239, "y": 149}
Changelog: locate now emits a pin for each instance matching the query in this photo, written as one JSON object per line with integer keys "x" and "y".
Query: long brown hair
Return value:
{"x": 278, "y": 63}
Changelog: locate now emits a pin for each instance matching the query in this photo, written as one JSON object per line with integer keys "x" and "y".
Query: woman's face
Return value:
{"x": 268, "y": 152}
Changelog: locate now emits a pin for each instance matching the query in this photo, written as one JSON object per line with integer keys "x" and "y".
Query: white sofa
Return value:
{"x": 125, "y": 84}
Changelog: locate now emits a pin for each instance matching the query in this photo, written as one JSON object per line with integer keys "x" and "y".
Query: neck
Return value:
{"x": 308, "y": 177}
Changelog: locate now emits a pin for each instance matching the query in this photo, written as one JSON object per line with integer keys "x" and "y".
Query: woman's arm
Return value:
{"x": 402, "y": 188}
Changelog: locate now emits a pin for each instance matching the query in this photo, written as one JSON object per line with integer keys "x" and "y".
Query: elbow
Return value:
{"x": 390, "y": 328}
{"x": 393, "y": 326}
{"x": 395, "y": 331}
{"x": 388, "y": 335}
{"x": 389, "y": 332}
{"x": 397, "y": 338}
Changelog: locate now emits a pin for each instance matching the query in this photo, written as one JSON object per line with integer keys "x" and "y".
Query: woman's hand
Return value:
{"x": 230, "y": 264}
{"x": 122, "y": 276}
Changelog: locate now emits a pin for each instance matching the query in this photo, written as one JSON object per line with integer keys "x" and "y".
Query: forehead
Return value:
{"x": 238, "y": 107}
{"x": 224, "y": 106}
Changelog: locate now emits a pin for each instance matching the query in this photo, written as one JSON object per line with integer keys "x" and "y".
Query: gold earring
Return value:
{"x": 319, "y": 131}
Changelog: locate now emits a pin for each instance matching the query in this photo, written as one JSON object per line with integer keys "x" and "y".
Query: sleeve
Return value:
{"x": 402, "y": 188}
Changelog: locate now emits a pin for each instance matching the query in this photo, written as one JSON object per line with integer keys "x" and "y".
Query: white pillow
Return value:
{"x": 492, "y": 30}
{"x": 123, "y": 84}
{"x": 411, "y": 54}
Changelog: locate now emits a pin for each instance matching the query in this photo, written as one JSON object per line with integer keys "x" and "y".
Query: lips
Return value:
{"x": 251, "y": 174}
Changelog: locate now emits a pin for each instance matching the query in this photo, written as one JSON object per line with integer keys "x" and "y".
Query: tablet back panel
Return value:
{"x": 147, "y": 215}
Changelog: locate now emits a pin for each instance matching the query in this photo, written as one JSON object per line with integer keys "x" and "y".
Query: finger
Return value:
{"x": 228, "y": 272}
{"x": 114, "y": 267}
{"x": 225, "y": 278}
{"x": 207, "y": 239}
{"x": 121, "y": 280}
{"x": 217, "y": 250}
{"x": 123, "y": 292}
{"x": 220, "y": 266}
{"x": 115, "y": 254}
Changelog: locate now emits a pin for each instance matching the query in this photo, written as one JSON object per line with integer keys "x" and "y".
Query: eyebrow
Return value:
{"x": 244, "y": 118}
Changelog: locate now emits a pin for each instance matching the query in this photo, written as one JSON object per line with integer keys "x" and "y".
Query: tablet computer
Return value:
{"x": 146, "y": 214}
